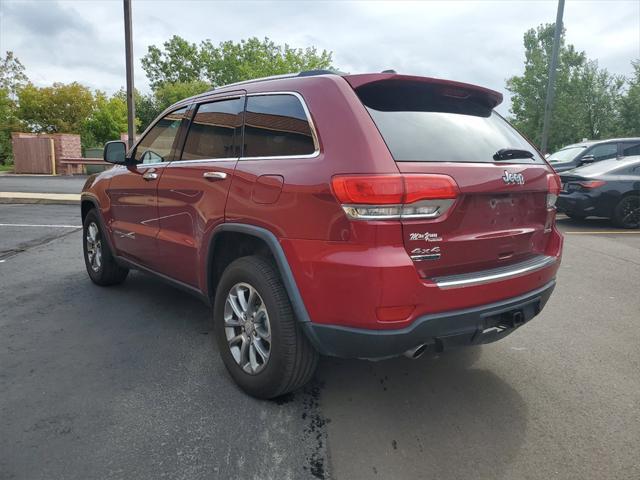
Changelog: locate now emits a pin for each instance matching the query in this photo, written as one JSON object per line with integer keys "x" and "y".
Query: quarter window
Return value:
{"x": 215, "y": 131}
{"x": 275, "y": 126}
{"x": 158, "y": 143}
{"x": 629, "y": 149}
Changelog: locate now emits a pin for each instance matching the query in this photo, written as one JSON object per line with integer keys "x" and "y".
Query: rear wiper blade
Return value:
{"x": 511, "y": 154}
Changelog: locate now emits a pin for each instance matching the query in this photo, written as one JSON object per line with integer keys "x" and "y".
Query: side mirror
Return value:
{"x": 115, "y": 152}
{"x": 588, "y": 159}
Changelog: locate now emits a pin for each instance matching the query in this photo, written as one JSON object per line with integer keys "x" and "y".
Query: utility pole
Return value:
{"x": 548, "y": 104}
{"x": 128, "y": 49}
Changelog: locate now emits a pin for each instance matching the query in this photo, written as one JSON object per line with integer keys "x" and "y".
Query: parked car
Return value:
{"x": 608, "y": 189}
{"x": 578, "y": 154}
{"x": 363, "y": 216}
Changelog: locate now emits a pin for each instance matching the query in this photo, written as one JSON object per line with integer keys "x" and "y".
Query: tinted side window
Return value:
{"x": 629, "y": 149}
{"x": 602, "y": 152}
{"x": 157, "y": 144}
{"x": 276, "y": 125}
{"x": 215, "y": 131}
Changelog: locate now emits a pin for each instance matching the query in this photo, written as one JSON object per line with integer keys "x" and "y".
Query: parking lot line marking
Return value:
{"x": 605, "y": 232}
{"x": 41, "y": 226}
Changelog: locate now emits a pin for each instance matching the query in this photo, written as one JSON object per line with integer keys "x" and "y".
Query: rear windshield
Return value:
{"x": 431, "y": 123}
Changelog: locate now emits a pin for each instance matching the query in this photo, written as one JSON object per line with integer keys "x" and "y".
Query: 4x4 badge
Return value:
{"x": 513, "y": 178}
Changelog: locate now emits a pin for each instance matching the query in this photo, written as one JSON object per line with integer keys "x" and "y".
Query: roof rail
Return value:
{"x": 306, "y": 73}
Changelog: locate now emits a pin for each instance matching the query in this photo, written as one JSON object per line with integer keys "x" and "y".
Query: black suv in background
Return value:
{"x": 578, "y": 154}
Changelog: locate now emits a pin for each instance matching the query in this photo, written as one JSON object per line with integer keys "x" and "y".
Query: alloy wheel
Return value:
{"x": 94, "y": 247}
{"x": 631, "y": 212}
{"x": 247, "y": 328}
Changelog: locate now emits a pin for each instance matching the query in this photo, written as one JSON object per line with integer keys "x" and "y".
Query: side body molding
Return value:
{"x": 278, "y": 254}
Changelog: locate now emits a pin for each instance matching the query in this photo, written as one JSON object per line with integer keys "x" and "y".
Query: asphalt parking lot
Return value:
{"x": 125, "y": 382}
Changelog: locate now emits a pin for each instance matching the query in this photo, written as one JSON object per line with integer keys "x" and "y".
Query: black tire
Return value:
{"x": 105, "y": 272}
{"x": 627, "y": 212}
{"x": 292, "y": 360}
{"x": 573, "y": 216}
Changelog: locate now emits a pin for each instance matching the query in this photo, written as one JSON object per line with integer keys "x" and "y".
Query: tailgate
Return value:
{"x": 492, "y": 223}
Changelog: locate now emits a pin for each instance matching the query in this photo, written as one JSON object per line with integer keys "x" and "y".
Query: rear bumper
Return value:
{"x": 470, "y": 326}
{"x": 580, "y": 204}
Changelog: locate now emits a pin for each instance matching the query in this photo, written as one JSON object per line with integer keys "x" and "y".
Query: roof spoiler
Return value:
{"x": 456, "y": 89}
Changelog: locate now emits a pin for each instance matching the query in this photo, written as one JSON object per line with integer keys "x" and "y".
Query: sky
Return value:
{"x": 473, "y": 41}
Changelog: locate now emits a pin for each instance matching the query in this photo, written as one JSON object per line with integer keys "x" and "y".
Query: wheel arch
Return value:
{"x": 264, "y": 241}
{"x": 88, "y": 203}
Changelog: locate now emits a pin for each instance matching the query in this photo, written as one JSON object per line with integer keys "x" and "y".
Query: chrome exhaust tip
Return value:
{"x": 416, "y": 352}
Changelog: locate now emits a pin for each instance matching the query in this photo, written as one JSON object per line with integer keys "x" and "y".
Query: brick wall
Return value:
{"x": 64, "y": 144}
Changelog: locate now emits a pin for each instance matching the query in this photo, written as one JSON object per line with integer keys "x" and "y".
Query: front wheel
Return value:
{"x": 627, "y": 212}
{"x": 101, "y": 266}
{"x": 260, "y": 342}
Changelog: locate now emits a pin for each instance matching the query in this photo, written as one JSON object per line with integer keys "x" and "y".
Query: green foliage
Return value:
{"x": 146, "y": 109}
{"x": 12, "y": 76}
{"x": 8, "y": 123}
{"x": 179, "y": 61}
{"x": 170, "y": 93}
{"x": 12, "y": 79}
{"x": 107, "y": 121}
{"x": 61, "y": 108}
{"x": 630, "y": 105}
{"x": 229, "y": 62}
{"x": 149, "y": 106}
{"x": 588, "y": 99}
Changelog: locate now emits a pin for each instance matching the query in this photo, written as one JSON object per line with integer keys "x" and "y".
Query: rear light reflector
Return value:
{"x": 394, "y": 314}
{"x": 383, "y": 197}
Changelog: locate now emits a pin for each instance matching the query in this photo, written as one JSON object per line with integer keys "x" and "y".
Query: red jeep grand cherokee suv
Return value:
{"x": 362, "y": 216}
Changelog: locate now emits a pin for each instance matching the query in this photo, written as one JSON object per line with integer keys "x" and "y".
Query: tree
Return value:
{"x": 529, "y": 90}
{"x": 598, "y": 96}
{"x": 12, "y": 79}
{"x": 146, "y": 109}
{"x": 630, "y": 105}
{"x": 253, "y": 58}
{"x": 60, "y": 108}
{"x": 181, "y": 61}
{"x": 107, "y": 120}
{"x": 170, "y": 93}
{"x": 8, "y": 123}
{"x": 12, "y": 76}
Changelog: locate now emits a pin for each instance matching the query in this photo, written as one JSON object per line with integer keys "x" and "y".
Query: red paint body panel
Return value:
{"x": 189, "y": 206}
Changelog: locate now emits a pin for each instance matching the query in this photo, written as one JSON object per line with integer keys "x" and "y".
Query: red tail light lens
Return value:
{"x": 394, "y": 196}
{"x": 369, "y": 189}
{"x": 553, "y": 182}
{"x": 429, "y": 187}
{"x": 591, "y": 184}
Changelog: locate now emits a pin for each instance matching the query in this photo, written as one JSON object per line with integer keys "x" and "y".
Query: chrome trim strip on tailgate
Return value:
{"x": 494, "y": 274}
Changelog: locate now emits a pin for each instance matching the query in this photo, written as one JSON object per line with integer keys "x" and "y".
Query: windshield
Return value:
{"x": 429, "y": 123}
{"x": 565, "y": 155}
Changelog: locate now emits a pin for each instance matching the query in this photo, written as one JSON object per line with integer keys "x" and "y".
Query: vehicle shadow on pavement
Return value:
{"x": 435, "y": 417}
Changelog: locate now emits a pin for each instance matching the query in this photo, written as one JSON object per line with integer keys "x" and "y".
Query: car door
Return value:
{"x": 133, "y": 191}
{"x": 602, "y": 151}
{"x": 193, "y": 189}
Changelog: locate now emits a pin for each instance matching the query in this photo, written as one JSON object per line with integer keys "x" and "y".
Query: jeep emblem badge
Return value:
{"x": 516, "y": 178}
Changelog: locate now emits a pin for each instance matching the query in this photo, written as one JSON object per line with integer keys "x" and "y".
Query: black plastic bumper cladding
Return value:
{"x": 471, "y": 326}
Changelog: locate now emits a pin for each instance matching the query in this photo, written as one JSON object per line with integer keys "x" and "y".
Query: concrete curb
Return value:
{"x": 41, "y": 198}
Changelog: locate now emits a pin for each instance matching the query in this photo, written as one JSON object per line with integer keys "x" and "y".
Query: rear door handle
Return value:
{"x": 150, "y": 174}
{"x": 214, "y": 175}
